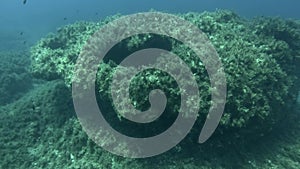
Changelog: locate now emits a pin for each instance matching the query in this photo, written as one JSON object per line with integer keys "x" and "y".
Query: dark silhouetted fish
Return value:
{"x": 24, "y": 2}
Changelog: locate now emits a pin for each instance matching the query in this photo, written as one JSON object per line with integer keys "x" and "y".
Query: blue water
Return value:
{"x": 38, "y": 17}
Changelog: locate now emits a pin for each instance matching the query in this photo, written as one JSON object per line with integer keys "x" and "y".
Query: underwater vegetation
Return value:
{"x": 260, "y": 59}
{"x": 15, "y": 77}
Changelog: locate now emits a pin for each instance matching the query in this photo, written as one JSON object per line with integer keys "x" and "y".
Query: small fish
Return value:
{"x": 21, "y": 33}
{"x": 24, "y": 2}
{"x": 65, "y": 18}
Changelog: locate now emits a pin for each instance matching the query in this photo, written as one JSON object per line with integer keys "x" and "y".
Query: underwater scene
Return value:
{"x": 149, "y": 84}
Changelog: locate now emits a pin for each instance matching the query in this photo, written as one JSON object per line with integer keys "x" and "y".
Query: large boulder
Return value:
{"x": 260, "y": 63}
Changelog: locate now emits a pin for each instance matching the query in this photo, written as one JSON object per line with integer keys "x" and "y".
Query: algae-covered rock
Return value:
{"x": 26, "y": 121}
{"x": 54, "y": 56}
{"x": 260, "y": 65}
{"x": 15, "y": 79}
{"x": 40, "y": 131}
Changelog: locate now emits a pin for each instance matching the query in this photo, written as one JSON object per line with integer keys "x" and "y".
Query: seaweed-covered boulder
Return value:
{"x": 53, "y": 57}
{"x": 260, "y": 68}
{"x": 284, "y": 35}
